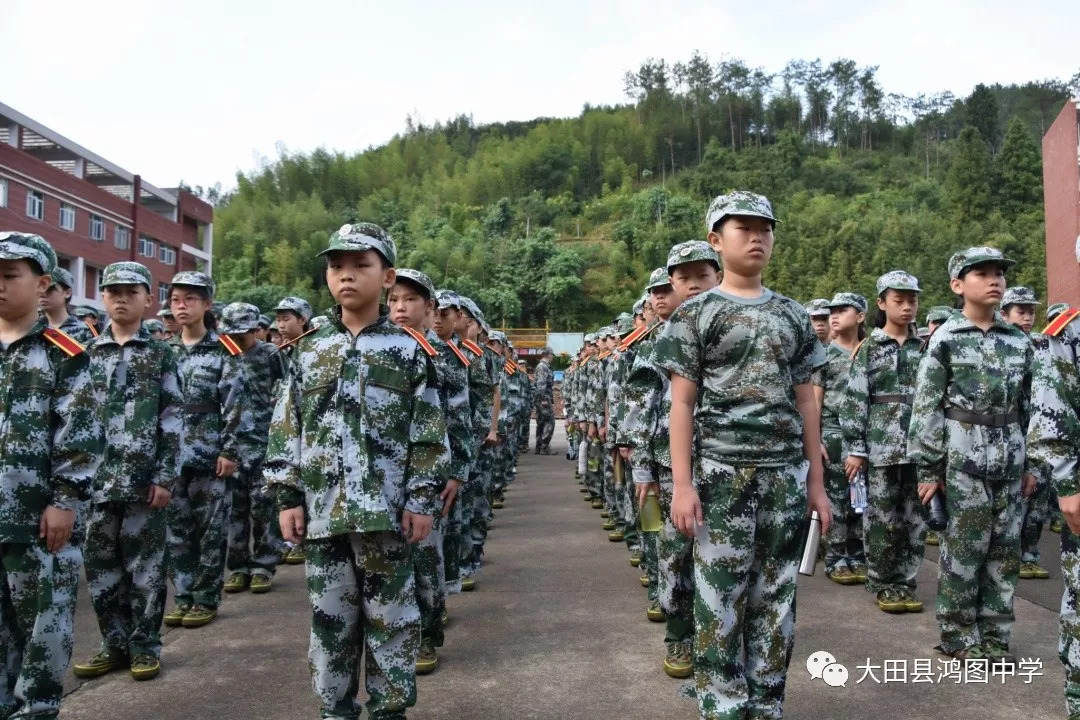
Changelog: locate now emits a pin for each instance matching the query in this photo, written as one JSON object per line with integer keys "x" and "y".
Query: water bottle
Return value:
{"x": 813, "y": 540}
{"x": 649, "y": 517}
{"x": 858, "y": 493}
{"x": 937, "y": 518}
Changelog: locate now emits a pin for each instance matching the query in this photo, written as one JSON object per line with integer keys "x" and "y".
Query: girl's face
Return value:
{"x": 821, "y": 327}
{"x": 981, "y": 285}
{"x": 1022, "y": 316}
{"x": 55, "y": 298}
{"x": 900, "y": 306}
{"x": 189, "y": 305}
{"x": 845, "y": 319}
{"x": 692, "y": 279}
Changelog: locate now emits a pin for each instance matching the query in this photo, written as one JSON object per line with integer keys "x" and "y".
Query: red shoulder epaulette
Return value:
{"x": 634, "y": 337}
{"x": 856, "y": 350}
{"x": 473, "y": 348}
{"x": 419, "y": 337}
{"x": 230, "y": 344}
{"x": 297, "y": 338}
{"x": 93, "y": 330}
{"x": 67, "y": 344}
{"x": 457, "y": 351}
{"x": 508, "y": 366}
{"x": 603, "y": 355}
{"x": 1067, "y": 316}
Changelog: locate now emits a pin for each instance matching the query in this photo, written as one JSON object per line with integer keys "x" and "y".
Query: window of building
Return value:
{"x": 122, "y": 238}
{"x": 97, "y": 228}
{"x": 97, "y": 284}
{"x": 67, "y": 216}
{"x": 162, "y": 293}
{"x": 35, "y": 205}
{"x": 3, "y": 192}
{"x": 167, "y": 255}
{"x": 146, "y": 246}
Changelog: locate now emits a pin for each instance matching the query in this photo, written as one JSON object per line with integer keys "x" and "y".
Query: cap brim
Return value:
{"x": 722, "y": 216}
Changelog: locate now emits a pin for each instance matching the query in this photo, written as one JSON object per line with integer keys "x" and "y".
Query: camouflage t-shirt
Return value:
{"x": 1053, "y": 438}
{"x": 746, "y": 356}
{"x": 832, "y": 377}
{"x": 264, "y": 369}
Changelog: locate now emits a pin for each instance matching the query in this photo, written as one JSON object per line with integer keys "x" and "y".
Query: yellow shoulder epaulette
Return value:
{"x": 856, "y": 350}
{"x": 423, "y": 341}
{"x": 297, "y": 338}
{"x": 230, "y": 344}
{"x": 67, "y": 344}
{"x": 1067, "y": 316}
{"x": 93, "y": 329}
{"x": 603, "y": 355}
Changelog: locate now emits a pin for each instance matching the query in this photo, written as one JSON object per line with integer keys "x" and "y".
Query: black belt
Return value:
{"x": 995, "y": 420}
{"x": 201, "y": 408}
{"x": 883, "y": 399}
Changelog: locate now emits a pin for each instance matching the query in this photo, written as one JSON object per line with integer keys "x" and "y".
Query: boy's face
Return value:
{"x": 821, "y": 327}
{"x": 289, "y": 324}
{"x": 692, "y": 279}
{"x": 1022, "y": 316}
{"x": 55, "y": 298}
{"x": 981, "y": 284}
{"x": 260, "y": 334}
{"x": 900, "y": 306}
{"x": 126, "y": 304}
{"x": 358, "y": 278}
{"x": 446, "y": 322}
{"x": 188, "y": 306}
{"x": 21, "y": 289}
{"x": 744, "y": 243}
{"x": 496, "y": 346}
{"x": 171, "y": 325}
{"x": 639, "y": 321}
{"x": 649, "y": 312}
{"x": 664, "y": 300}
{"x": 408, "y": 306}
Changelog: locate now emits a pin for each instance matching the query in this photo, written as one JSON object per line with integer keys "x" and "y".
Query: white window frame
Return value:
{"x": 67, "y": 212}
{"x": 98, "y": 222}
{"x": 146, "y": 247}
{"x": 162, "y": 294}
{"x": 97, "y": 285}
{"x": 122, "y": 237}
{"x": 3, "y": 192}
{"x": 167, "y": 254}
{"x": 35, "y": 200}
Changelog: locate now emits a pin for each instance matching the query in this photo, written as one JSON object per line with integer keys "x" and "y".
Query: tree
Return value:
{"x": 967, "y": 185}
{"x": 1018, "y": 172}
{"x": 982, "y": 114}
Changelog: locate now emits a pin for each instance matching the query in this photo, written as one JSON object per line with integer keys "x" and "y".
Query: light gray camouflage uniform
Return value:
{"x": 357, "y": 438}
{"x": 72, "y": 325}
{"x": 52, "y": 441}
{"x": 544, "y": 402}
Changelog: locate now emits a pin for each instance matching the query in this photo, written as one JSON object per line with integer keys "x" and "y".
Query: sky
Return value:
{"x": 197, "y": 91}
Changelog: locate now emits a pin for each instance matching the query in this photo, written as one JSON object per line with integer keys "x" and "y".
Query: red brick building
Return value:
{"x": 1061, "y": 193}
{"x": 94, "y": 212}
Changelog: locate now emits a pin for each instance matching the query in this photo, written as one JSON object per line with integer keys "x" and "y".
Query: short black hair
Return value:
{"x": 718, "y": 226}
{"x": 413, "y": 284}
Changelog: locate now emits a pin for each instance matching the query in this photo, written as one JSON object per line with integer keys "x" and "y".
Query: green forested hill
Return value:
{"x": 561, "y": 220}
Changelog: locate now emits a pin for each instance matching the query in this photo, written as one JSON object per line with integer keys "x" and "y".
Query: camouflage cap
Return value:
{"x": 82, "y": 311}
{"x": 164, "y": 312}
{"x": 1019, "y": 295}
{"x": 154, "y": 325}
{"x": 126, "y": 273}
{"x": 298, "y": 305}
{"x": 497, "y": 336}
{"x": 1054, "y": 310}
{"x": 938, "y": 314}
{"x": 739, "y": 202}
{"x": 319, "y": 321}
{"x": 848, "y": 299}
{"x": 192, "y": 278}
{"x": 418, "y": 278}
{"x": 818, "y": 307}
{"x": 218, "y": 307}
{"x": 658, "y": 278}
{"x": 623, "y": 316}
{"x": 625, "y": 325}
{"x": 897, "y": 280}
{"x": 447, "y": 299}
{"x": 358, "y": 237}
{"x": 964, "y": 259}
{"x": 590, "y": 338}
{"x": 691, "y": 251}
{"x": 546, "y": 351}
{"x": 60, "y": 276}
{"x": 239, "y": 317}
{"x": 639, "y": 306}
{"x": 265, "y": 322}
{"x": 470, "y": 307}
{"x": 26, "y": 246}
{"x": 923, "y": 333}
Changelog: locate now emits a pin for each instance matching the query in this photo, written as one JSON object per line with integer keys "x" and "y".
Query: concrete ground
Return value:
{"x": 556, "y": 628}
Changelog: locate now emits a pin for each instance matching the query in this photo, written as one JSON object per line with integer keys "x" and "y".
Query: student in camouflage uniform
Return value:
{"x": 625, "y": 502}
{"x": 1018, "y": 306}
{"x": 819, "y": 311}
{"x": 171, "y": 326}
{"x": 262, "y": 333}
{"x": 156, "y": 329}
{"x": 255, "y": 543}
{"x": 845, "y": 559}
{"x": 53, "y": 442}
{"x": 1053, "y": 444}
{"x": 502, "y": 466}
{"x": 967, "y": 437}
{"x": 756, "y": 446}
{"x": 874, "y": 419}
{"x": 1052, "y": 313}
{"x": 89, "y": 317}
{"x": 217, "y": 435}
{"x": 143, "y": 417}
{"x": 544, "y": 402}
{"x": 528, "y": 391}
{"x": 356, "y": 456}
{"x": 56, "y": 304}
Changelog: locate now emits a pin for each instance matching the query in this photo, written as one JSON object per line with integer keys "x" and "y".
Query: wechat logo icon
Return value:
{"x": 823, "y": 666}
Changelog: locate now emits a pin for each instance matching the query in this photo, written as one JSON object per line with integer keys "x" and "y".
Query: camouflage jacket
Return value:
{"x": 832, "y": 378}
{"x": 511, "y": 399}
{"x": 358, "y": 434}
{"x": 454, "y": 396}
{"x": 746, "y": 356}
{"x": 51, "y": 435}
{"x": 143, "y": 415}
{"x": 1053, "y": 436}
{"x": 623, "y": 360}
{"x": 544, "y": 387}
{"x": 527, "y": 394}
{"x": 984, "y": 373}
{"x": 877, "y": 404}
{"x": 596, "y": 390}
{"x": 635, "y": 389}
{"x": 482, "y": 384}
{"x": 77, "y": 329}
{"x": 645, "y": 426}
{"x": 264, "y": 370}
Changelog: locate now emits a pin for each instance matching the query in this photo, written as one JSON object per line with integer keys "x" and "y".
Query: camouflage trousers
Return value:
{"x": 674, "y": 570}
{"x": 627, "y": 505}
{"x": 894, "y": 528}
{"x": 844, "y": 544}
{"x": 255, "y": 542}
{"x": 523, "y": 430}
{"x": 1069, "y": 637}
{"x": 363, "y": 602}
{"x": 37, "y": 627}
{"x": 198, "y": 536}
{"x": 479, "y": 492}
{"x": 430, "y": 577}
{"x": 594, "y": 468}
{"x": 503, "y": 459}
{"x": 980, "y": 560}
{"x": 1036, "y": 514}
{"x": 125, "y": 572}
{"x": 545, "y": 428}
{"x": 572, "y": 442}
{"x": 452, "y": 544}
{"x": 746, "y": 557}
{"x": 610, "y": 494}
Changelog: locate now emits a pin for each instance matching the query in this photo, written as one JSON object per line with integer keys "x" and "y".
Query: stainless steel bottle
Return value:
{"x": 813, "y": 540}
